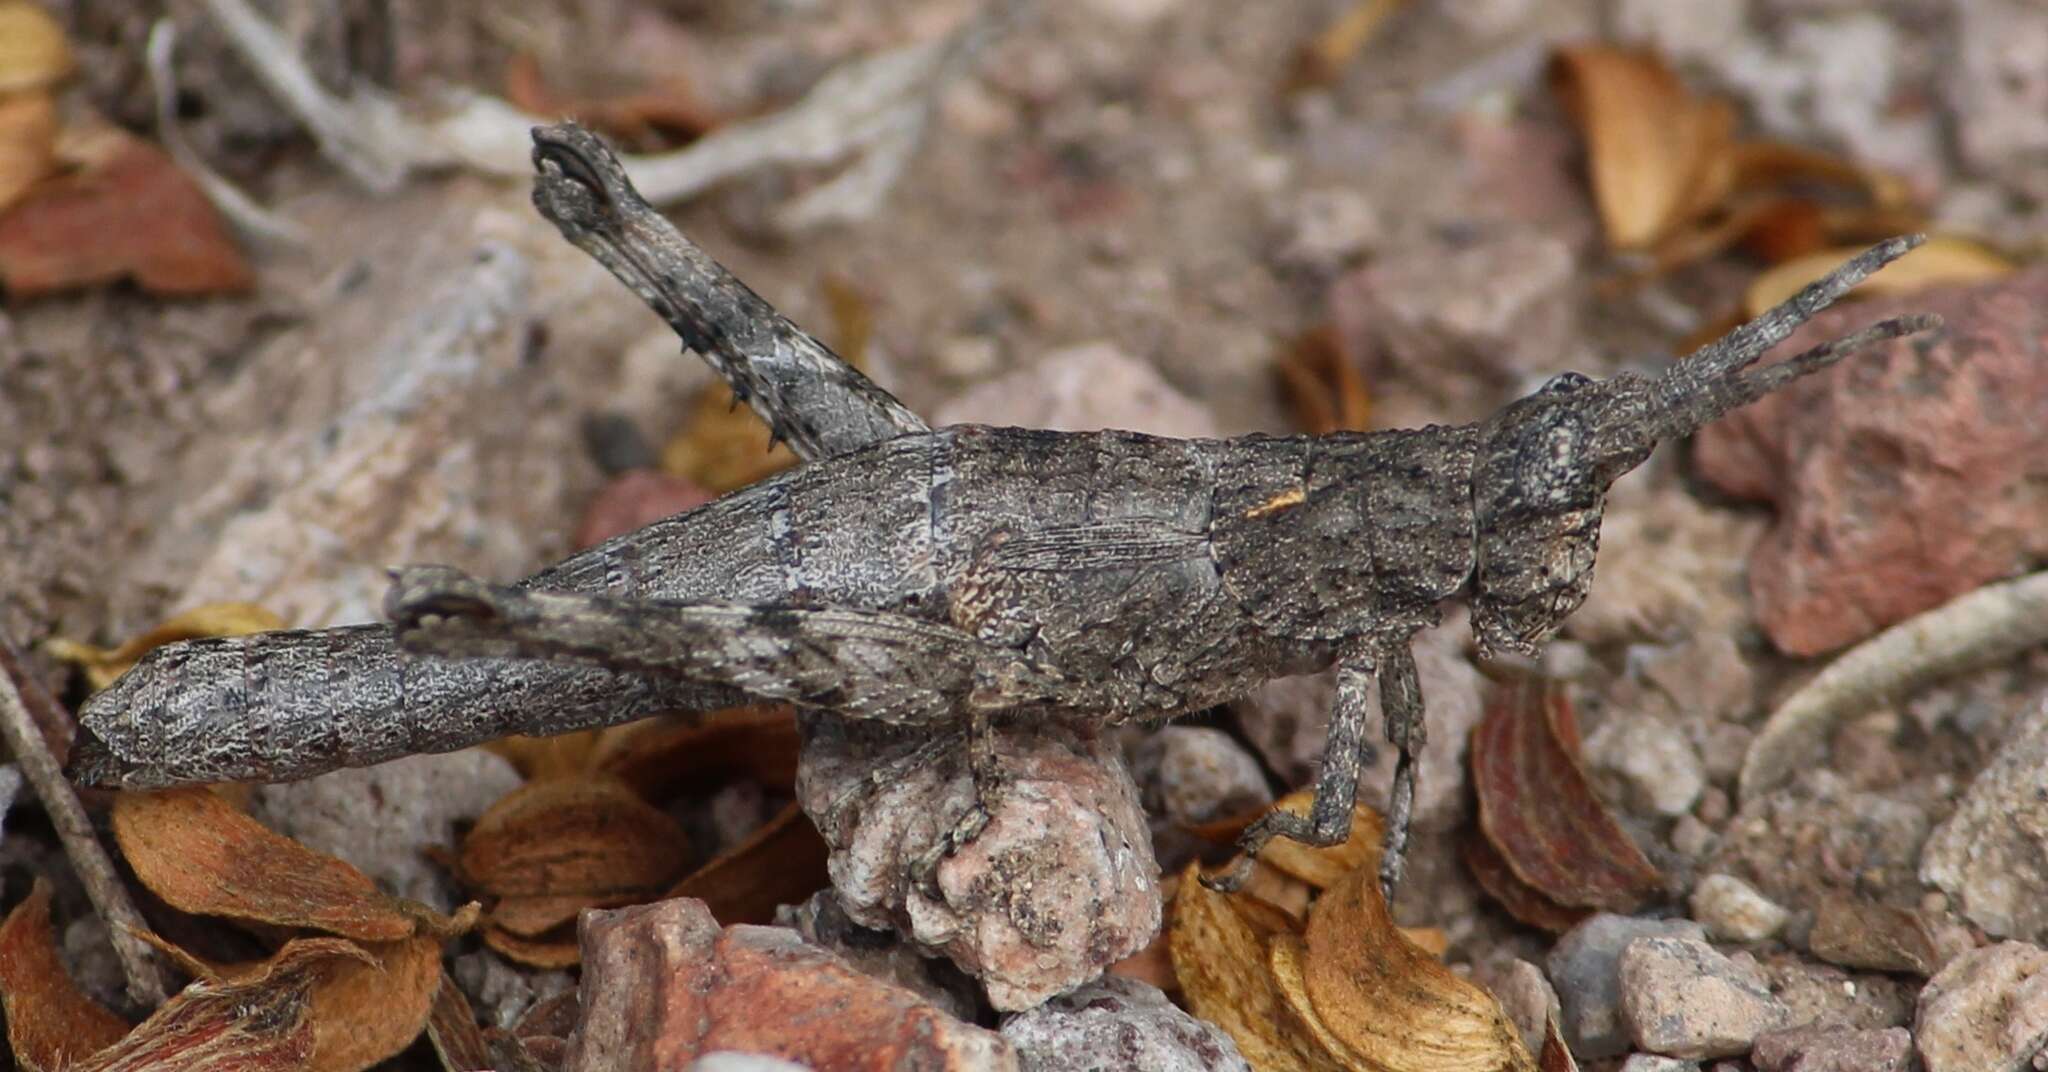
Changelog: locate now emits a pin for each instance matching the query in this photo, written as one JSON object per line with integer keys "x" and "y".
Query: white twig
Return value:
{"x": 241, "y": 210}
{"x": 1992, "y": 623}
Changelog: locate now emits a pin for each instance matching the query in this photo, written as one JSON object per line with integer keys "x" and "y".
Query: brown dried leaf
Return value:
{"x": 1323, "y": 868}
{"x": 199, "y": 854}
{"x": 723, "y": 446}
{"x": 258, "y": 1022}
{"x": 1322, "y": 60}
{"x": 1539, "y": 811}
{"x": 103, "y": 665}
{"x": 1220, "y": 944}
{"x": 534, "y": 915}
{"x": 665, "y": 758}
{"x": 366, "y": 1011}
{"x": 1658, "y": 155}
{"x": 1325, "y": 389}
{"x": 51, "y": 1024}
{"x": 452, "y": 1028}
{"x": 28, "y": 143}
{"x": 33, "y": 52}
{"x": 1556, "y": 1056}
{"x": 1390, "y": 1003}
{"x": 567, "y": 836}
{"x": 648, "y": 120}
{"x": 1522, "y": 901}
{"x": 1942, "y": 259}
{"x": 133, "y": 215}
{"x": 547, "y": 952}
{"x": 781, "y": 863}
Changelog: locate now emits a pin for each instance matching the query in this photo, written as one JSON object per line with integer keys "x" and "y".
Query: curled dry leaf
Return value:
{"x": 1522, "y": 901}
{"x": 1321, "y": 61}
{"x": 1539, "y": 811}
{"x": 1219, "y": 946}
{"x": 1658, "y": 154}
{"x": 132, "y": 214}
{"x": 452, "y": 1028}
{"x": 201, "y": 855}
{"x": 781, "y": 863}
{"x": 28, "y": 142}
{"x": 548, "y": 952}
{"x": 1940, "y": 260}
{"x": 103, "y": 665}
{"x": 51, "y": 1024}
{"x": 254, "y": 1022}
{"x": 1327, "y": 392}
{"x": 33, "y": 52}
{"x": 665, "y": 758}
{"x": 364, "y": 1011}
{"x": 1556, "y": 1056}
{"x": 649, "y": 120}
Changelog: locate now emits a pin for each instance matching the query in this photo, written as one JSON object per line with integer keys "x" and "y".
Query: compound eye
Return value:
{"x": 1565, "y": 383}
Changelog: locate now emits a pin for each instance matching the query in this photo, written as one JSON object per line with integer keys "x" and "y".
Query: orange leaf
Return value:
{"x": 258, "y": 1022}
{"x": 199, "y": 854}
{"x": 1556, "y": 1056}
{"x": 1326, "y": 390}
{"x": 1539, "y": 811}
{"x": 51, "y": 1024}
{"x": 781, "y": 863}
{"x": 1940, "y": 260}
{"x": 1522, "y": 901}
{"x": 366, "y": 1011}
{"x": 1219, "y": 944}
{"x": 1324, "y": 867}
{"x": 573, "y": 836}
{"x": 28, "y": 143}
{"x": 103, "y": 665}
{"x": 665, "y": 758}
{"x": 33, "y": 52}
{"x": 546, "y": 953}
{"x": 1390, "y": 1003}
{"x": 1658, "y": 154}
{"x": 132, "y": 215}
{"x": 453, "y": 1029}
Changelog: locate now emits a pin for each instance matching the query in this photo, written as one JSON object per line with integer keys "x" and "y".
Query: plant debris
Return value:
{"x": 51, "y": 1024}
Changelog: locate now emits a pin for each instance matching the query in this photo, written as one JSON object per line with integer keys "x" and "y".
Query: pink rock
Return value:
{"x": 663, "y": 985}
{"x": 1904, "y": 476}
{"x": 634, "y": 499}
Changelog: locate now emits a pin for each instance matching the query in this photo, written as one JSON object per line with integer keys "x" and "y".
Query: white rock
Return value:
{"x": 1733, "y": 910}
{"x": 1081, "y": 389}
{"x": 1683, "y": 999}
{"x": 1985, "y": 1011}
{"x": 1656, "y": 765}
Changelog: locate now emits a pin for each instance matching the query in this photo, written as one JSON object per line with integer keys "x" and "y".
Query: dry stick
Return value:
{"x": 1992, "y": 623}
{"x": 95, "y": 869}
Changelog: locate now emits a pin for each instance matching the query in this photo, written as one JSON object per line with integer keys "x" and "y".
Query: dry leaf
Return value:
{"x": 1326, "y": 391}
{"x": 1940, "y": 260}
{"x": 545, "y": 953}
{"x": 256, "y": 1023}
{"x": 1322, "y": 868}
{"x": 649, "y": 120}
{"x": 1658, "y": 155}
{"x": 1556, "y": 1056}
{"x": 573, "y": 836}
{"x": 723, "y": 446}
{"x": 194, "y": 850}
{"x": 366, "y": 1011}
{"x": 1540, "y": 813}
{"x": 51, "y": 1024}
{"x": 534, "y": 915}
{"x": 665, "y": 758}
{"x": 1389, "y": 1002}
{"x": 781, "y": 863}
{"x": 33, "y": 52}
{"x": 132, "y": 215}
{"x": 103, "y": 665}
{"x": 453, "y": 1030}
{"x": 1522, "y": 901}
{"x": 28, "y": 143}
{"x": 1322, "y": 60}
{"x": 1219, "y": 944}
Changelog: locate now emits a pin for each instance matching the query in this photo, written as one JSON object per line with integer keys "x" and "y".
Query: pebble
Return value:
{"x": 1584, "y": 968}
{"x": 1997, "y": 89}
{"x": 1190, "y": 775}
{"x": 1081, "y": 389}
{"x": 734, "y": 1061}
{"x": 1808, "y": 1049}
{"x": 377, "y": 818}
{"x": 1734, "y": 911}
{"x": 1654, "y": 763}
{"x": 1321, "y": 232}
{"x": 1681, "y": 31}
{"x": 1991, "y": 855}
{"x": 502, "y": 993}
{"x": 1681, "y": 998}
{"x": 1986, "y": 1011}
{"x": 1650, "y": 1062}
{"x": 1524, "y": 995}
{"x": 1118, "y": 1023}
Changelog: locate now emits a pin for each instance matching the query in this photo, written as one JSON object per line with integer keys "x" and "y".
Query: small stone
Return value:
{"x": 634, "y": 500}
{"x": 378, "y": 818}
{"x": 1682, "y": 31}
{"x": 968, "y": 357}
{"x": 1986, "y": 1011}
{"x": 1692, "y": 838}
{"x": 1524, "y": 994}
{"x": 1683, "y": 999}
{"x": 734, "y": 1061}
{"x": 1188, "y": 776}
{"x": 1650, "y": 1062}
{"x": 1997, "y": 90}
{"x": 664, "y": 984}
{"x": 1118, "y": 1023}
{"x": 1903, "y": 478}
{"x": 1321, "y": 232}
{"x": 1859, "y": 933}
{"x": 1082, "y": 389}
{"x": 1656, "y": 766}
{"x": 1817, "y": 836}
{"x": 881, "y": 954}
{"x": 1822, "y": 995}
{"x": 502, "y": 993}
{"x": 1734, "y": 911}
{"x": 1810, "y": 1049}
{"x": 1583, "y": 967}
{"x": 1991, "y": 855}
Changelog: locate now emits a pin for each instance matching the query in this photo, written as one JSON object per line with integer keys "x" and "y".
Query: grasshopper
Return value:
{"x": 964, "y": 576}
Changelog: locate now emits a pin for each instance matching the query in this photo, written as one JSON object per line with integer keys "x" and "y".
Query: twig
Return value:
{"x": 242, "y": 210}
{"x": 1992, "y": 623}
{"x": 95, "y": 869}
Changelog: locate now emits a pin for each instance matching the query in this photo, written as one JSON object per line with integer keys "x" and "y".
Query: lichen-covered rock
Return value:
{"x": 1117, "y": 1023}
{"x": 1903, "y": 478}
{"x": 1683, "y": 999}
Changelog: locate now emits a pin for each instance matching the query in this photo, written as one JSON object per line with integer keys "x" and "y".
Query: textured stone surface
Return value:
{"x": 1524, "y": 994}
{"x": 1807, "y": 1049}
{"x": 734, "y": 1061}
{"x": 1189, "y": 775}
{"x": 1683, "y": 999}
{"x": 380, "y": 818}
{"x": 1991, "y": 855}
{"x": 1903, "y": 478}
{"x": 1081, "y": 389}
{"x": 1649, "y": 759}
{"x": 1997, "y": 90}
{"x": 1734, "y": 911}
{"x": 1119, "y": 1023}
{"x": 1059, "y": 885}
{"x": 1650, "y": 1062}
{"x": 1584, "y": 966}
{"x": 1987, "y": 1011}
{"x": 663, "y": 984}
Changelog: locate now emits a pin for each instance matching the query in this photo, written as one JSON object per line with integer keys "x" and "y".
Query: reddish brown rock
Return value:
{"x": 1904, "y": 476}
{"x": 663, "y": 984}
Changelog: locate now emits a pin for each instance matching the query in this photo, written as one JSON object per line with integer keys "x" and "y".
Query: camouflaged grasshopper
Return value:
{"x": 963, "y": 576}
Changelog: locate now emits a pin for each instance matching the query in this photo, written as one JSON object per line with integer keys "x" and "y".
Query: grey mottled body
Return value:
{"x": 964, "y": 575}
